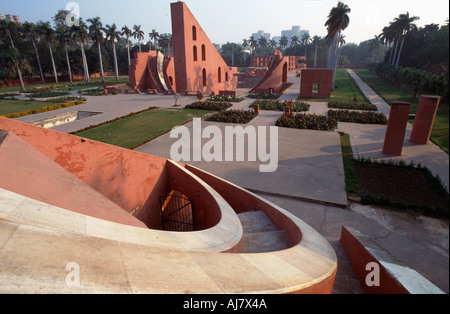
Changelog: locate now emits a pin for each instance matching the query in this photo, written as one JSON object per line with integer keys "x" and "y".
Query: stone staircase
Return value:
{"x": 261, "y": 235}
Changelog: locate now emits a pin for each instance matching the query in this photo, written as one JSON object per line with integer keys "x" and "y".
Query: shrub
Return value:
{"x": 213, "y": 106}
{"x": 358, "y": 117}
{"x": 49, "y": 94}
{"x": 233, "y": 116}
{"x": 306, "y": 121}
{"x": 44, "y": 109}
{"x": 296, "y": 106}
{"x": 225, "y": 98}
{"x": 94, "y": 92}
{"x": 264, "y": 96}
{"x": 354, "y": 106}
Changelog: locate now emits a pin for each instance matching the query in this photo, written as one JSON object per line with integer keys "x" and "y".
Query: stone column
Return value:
{"x": 256, "y": 108}
{"x": 396, "y": 129}
{"x": 424, "y": 121}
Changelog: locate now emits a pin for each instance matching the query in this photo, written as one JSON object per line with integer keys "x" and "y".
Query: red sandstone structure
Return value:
{"x": 103, "y": 207}
{"x": 320, "y": 79}
{"x": 275, "y": 79}
{"x": 424, "y": 120}
{"x": 396, "y": 129}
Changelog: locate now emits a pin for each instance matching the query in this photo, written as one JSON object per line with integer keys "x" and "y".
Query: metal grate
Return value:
{"x": 176, "y": 212}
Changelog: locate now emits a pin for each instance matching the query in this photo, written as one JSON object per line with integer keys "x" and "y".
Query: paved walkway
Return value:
{"x": 367, "y": 140}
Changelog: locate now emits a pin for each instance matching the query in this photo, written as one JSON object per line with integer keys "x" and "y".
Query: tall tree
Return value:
{"x": 404, "y": 25}
{"x": 7, "y": 31}
{"x": 284, "y": 42}
{"x": 295, "y": 41}
{"x": 306, "y": 39}
{"x": 338, "y": 21}
{"x": 138, "y": 34}
{"x": 96, "y": 31}
{"x": 112, "y": 34}
{"x": 46, "y": 30}
{"x": 262, "y": 41}
{"x": 30, "y": 32}
{"x": 63, "y": 36}
{"x": 253, "y": 44}
{"x": 127, "y": 33}
{"x": 154, "y": 35}
{"x": 316, "y": 42}
{"x": 81, "y": 34}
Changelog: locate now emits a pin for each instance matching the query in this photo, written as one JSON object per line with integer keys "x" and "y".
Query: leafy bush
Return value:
{"x": 225, "y": 98}
{"x": 276, "y": 105}
{"x": 358, "y": 117}
{"x": 213, "y": 106}
{"x": 94, "y": 92}
{"x": 354, "y": 106}
{"x": 233, "y": 116}
{"x": 307, "y": 121}
{"x": 44, "y": 109}
{"x": 49, "y": 94}
{"x": 264, "y": 96}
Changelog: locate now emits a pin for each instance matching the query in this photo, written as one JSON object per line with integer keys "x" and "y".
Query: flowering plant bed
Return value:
{"x": 44, "y": 109}
{"x": 213, "y": 106}
{"x": 306, "y": 121}
{"x": 225, "y": 98}
{"x": 358, "y": 117}
{"x": 276, "y": 105}
{"x": 264, "y": 96}
{"x": 233, "y": 116}
{"x": 353, "y": 106}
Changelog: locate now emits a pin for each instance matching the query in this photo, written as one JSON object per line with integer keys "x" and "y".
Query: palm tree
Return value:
{"x": 30, "y": 32}
{"x": 316, "y": 42}
{"x": 284, "y": 42}
{"x": 306, "y": 39}
{"x": 80, "y": 33}
{"x": 272, "y": 43}
{"x": 253, "y": 44}
{"x": 342, "y": 42}
{"x": 387, "y": 38}
{"x": 295, "y": 41}
{"x": 7, "y": 29}
{"x": 262, "y": 41}
{"x": 338, "y": 20}
{"x": 128, "y": 33}
{"x": 374, "y": 45}
{"x": 112, "y": 34}
{"x": 48, "y": 32}
{"x": 245, "y": 43}
{"x": 138, "y": 34}
{"x": 154, "y": 35}
{"x": 63, "y": 36}
{"x": 404, "y": 25}
{"x": 96, "y": 30}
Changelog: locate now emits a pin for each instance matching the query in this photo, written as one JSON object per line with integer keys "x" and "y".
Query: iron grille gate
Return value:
{"x": 176, "y": 212}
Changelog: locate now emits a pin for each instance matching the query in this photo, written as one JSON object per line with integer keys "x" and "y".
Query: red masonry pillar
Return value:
{"x": 396, "y": 129}
{"x": 256, "y": 108}
{"x": 423, "y": 123}
{"x": 287, "y": 110}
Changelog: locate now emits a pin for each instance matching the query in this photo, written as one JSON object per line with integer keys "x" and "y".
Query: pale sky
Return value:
{"x": 234, "y": 20}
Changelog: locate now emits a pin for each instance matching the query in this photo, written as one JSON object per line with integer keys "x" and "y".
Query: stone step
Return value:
{"x": 263, "y": 242}
{"x": 256, "y": 221}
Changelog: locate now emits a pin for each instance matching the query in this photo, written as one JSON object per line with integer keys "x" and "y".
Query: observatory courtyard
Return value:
{"x": 244, "y": 205}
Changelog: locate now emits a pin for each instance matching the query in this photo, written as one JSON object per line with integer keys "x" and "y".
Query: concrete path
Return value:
{"x": 367, "y": 140}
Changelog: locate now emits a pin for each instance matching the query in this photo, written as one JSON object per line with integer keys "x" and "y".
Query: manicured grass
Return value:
{"x": 65, "y": 86}
{"x": 390, "y": 93}
{"x": 346, "y": 90}
{"x": 15, "y": 106}
{"x": 351, "y": 178}
{"x": 138, "y": 129}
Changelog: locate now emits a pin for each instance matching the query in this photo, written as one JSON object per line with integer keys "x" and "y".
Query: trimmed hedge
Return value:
{"x": 233, "y": 116}
{"x": 264, "y": 96}
{"x": 353, "y": 106}
{"x": 306, "y": 121}
{"x": 358, "y": 117}
{"x": 208, "y": 105}
{"x": 225, "y": 98}
{"x": 44, "y": 109}
{"x": 276, "y": 105}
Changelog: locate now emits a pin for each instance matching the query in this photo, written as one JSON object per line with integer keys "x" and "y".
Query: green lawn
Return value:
{"x": 346, "y": 90}
{"x": 136, "y": 130}
{"x": 15, "y": 106}
{"x": 390, "y": 93}
{"x": 65, "y": 86}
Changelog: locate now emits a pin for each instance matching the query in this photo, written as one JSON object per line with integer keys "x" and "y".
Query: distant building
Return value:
{"x": 260, "y": 34}
{"x": 295, "y": 31}
{"x": 1, "y": 16}
{"x": 11, "y": 18}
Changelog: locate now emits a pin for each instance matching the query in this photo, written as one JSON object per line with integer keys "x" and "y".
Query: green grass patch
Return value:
{"x": 135, "y": 130}
{"x": 14, "y": 106}
{"x": 351, "y": 178}
{"x": 390, "y": 93}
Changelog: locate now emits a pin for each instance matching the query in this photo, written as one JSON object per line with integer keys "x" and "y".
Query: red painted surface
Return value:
{"x": 396, "y": 129}
{"x": 275, "y": 77}
{"x": 324, "y": 79}
{"x": 424, "y": 121}
{"x": 198, "y": 64}
{"x": 359, "y": 257}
